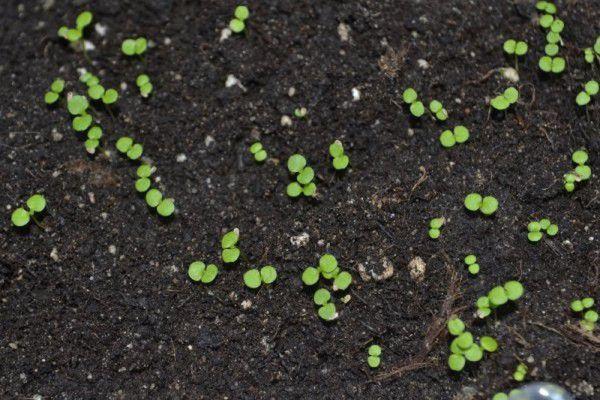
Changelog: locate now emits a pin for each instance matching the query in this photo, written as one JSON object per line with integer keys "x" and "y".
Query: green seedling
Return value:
{"x": 340, "y": 160}
{"x": 535, "y": 229}
{"x": 230, "y": 252}
{"x": 238, "y": 23}
{"x": 56, "y": 88}
{"x": 435, "y": 226}
{"x": 590, "y": 89}
{"x": 509, "y": 97}
{"x": 75, "y": 35}
{"x": 259, "y": 153}
{"x": 144, "y": 171}
{"x": 471, "y": 262}
{"x": 555, "y": 65}
{"x": 589, "y": 317}
{"x": 449, "y": 138}
{"x": 582, "y": 172}
{"x": 21, "y": 216}
{"x": 498, "y": 296}
{"x": 200, "y": 272}
{"x": 126, "y": 146}
{"x": 410, "y": 97}
{"x": 546, "y": 6}
{"x": 304, "y": 177}
{"x": 515, "y": 48}
{"x": 463, "y": 347}
{"x": 94, "y": 134}
{"x": 300, "y": 112}
{"x": 520, "y": 372}
{"x": 253, "y": 278}
{"x": 97, "y": 92}
{"x": 164, "y": 207}
{"x": 144, "y": 84}
{"x": 328, "y": 269}
{"x": 374, "y": 357}
{"x": 486, "y": 205}
{"x": 438, "y": 110}
{"x": 134, "y": 47}
{"x": 551, "y": 62}
{"x": 592, "y": 53}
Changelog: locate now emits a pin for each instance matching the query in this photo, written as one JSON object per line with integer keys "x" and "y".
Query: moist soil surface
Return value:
{"x": 98, "y": 304}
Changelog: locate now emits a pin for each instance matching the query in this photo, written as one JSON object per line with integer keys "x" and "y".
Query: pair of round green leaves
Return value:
{"x": 545, "y": 6}
{"x": 164, "y": 207}
{"x": 374, "y": 358}
{"x": 535, "y": 229}
{"x": 471, "y": 261}
{"x": 552, "y": 64}
{"x": 144, "y": 171}
{"x": 499, "y": 295}
{"x": 591, "y": 88}
{"x": 416, "y": 107}
{"x": 518, "y": 48}
{"x": 230, "y": 253}
{"x": 340, "y": 160}
{"x": 459, "y": 134}
{"x": 436, "y": 107}
{"x": 435, "y": 226}
{"x": 56, "y": 88}
{"x": 144, "y": 84}
{"x": 125, "y": 145}
{"x": 253, "y": 278}
{"x": 506, "y": 99}
{"x": 241, "y": 14}
{"x": 93, "y": 139}
{"x": 200, "y": 272}
{"x": 475, "y": 202}
{"x": 297, "y": 165}
{"x": 555, "y": 25}
{"x": 132, "y": 47}
{"x": 259, "y": 153}
{"x": 108, "y": 96}
{"x": 583, "y": 304}
{"x": 35, "y": 204}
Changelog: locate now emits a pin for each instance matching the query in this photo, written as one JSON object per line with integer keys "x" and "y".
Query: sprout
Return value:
{"x": 455, "y": 326}
{"x": 74, "y": 35}
{"x": 434, "y": 227}
{"x": 132, "y": 47}
{"x": 300, "y": 112}
{"x": 506, "y": 99}
{"x": 374, "y": 358}
{"x": 486, "y": 205}
{"x": 93, "y": 139}
{"x": 258, "y": 151}
{"x": 35, "y": 204}
{"x": 199, "y": 272}
{"x": 230, "y": 253}
{"x": 410, "y": 96}
{"x": 471, "y": 261}
{"x": 520, "y": 372}
{"x": 589, "y": 317}
{"x": 166, "y": 208}
{"x": 77, "y": 105}
{"x": 268, "y": 274}
{"x": 321, "y": 297}
{"x": 304, "y": 175}
{"x": 591, "y": 88}
{"x": 328, "y": 312}
{"x": 460, "y": 134}
{"x": 340, "y": 160}
{"x": 552, "y": 64}
{"x": 581, "y": 172}
{"x": 153, "y": 197}
{"x": 342, "y": 281}
{"x": 144, "y": 84}
{"x": 238, "y": 23}
{"x": 56, "y": 88}
{"x": 498, "y": 296}
{"x": 535, "y": 229}
{"x": 310, "y": 276}
{"x": 516, "y": 48}
{"x": 127, "y": 146}
{"x": 252, "y": 278}
{"x": 438, "y": 110}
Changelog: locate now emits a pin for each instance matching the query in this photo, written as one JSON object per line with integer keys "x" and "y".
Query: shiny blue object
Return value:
{"x": 540, "y": 391}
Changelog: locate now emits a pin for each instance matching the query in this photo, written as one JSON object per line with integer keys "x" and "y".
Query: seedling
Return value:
{"x": 410, "y": 97}
{"x": 164, "y": 207}
{"x": 134, "y": 47}
{"x": 520, "y": 372}
{"x": 588, "y": 316}
{"x": 96, "y": 91}
{"x": 144, "y": 84}
{"x": 460, "y": 134}
{"x": 126, "y": 146}
{"x": 435, "y": 226}
{"x": 238, "y": 24}
{"x": 555, "y": 65}
{"x": 463, "y": 347}
{"x": 56, "y": 88}
{"x": 471, "y": 261}
{"x": 300, "y": 112}
{"x": 590, "y": 89}
{"x": 438, "y": 110}
{"x": 582, "y": 172}
{"x": 340, "y": 160}
{"x": 486, "y": 205}
{"x": 535, "y": 229}
{"x": 144, "y": 171}
{"x": 253, "y": 278}
{"x": 21, "y": 216}
{"x": 75, "y": 35}
{"x": 592, "y": 53}
{"x": 498, "y": 296}
{"x": 200, "y": 272}
{"x": 515, "y": 48}
{"x": 304, "y": 177}
{"x": 551, "y": 62}
{"x": 509, "y": 97}
{"x": 546, "y": 7}
{"x": 374, "y": 358}
{"x": 230, "y": 253}
{"x": 260, "y": 154}
{"x": 94, "y": 135}
{"x": 77, "y": 106}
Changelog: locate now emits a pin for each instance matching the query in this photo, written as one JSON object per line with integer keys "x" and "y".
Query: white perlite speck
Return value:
{"x": 355, "y": 94}
{"x": 181, "y": 158}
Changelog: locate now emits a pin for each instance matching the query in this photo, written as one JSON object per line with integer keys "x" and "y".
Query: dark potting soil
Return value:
{"x": 99, "y": 304}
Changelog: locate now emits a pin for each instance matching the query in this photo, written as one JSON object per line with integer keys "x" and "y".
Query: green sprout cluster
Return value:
{"x": 259, "y": 153}
{"x": 435, "y": 226}
{"x": 200, "y": 272}
{"x": 486, "y": 205}
{"x": 498, "y": 296}
{"x": 300, "y": 112}
{"x": 551, "y": 62}
{"x": 589, "y": 316}
{"x": 592, "y": 53}
{"x": 253, "y": 278}
{"x": 520, "y": 372}
{"x": 417, "y": 108}
{"x": 127, "y": 146}
{"x": 134, "y": 47}
{"x": 78, "y": 106}
{"x": 340, "y": 160}
{"x": 515, "y": 48}
{"x": 374, "y": 357}
{"x": 304, "y": 177}
{"x": 238, "y": 23}
{"x": 56, "y": 88}
{"x": 96, "y": 91}
{"x": 328, "y": 269}
{"x": 229, "y": 251}
{"x": 75, "y": 35}
{"x": 535, "y": 229}
{"x": 509, "y": 97}
{"x": 35, "y": 204}
{"x": 463, "y": 347}
{"x": 590, "y": 89}
{"x": 459, "y": 134}
{"x": 143, "y": 83}
{"x": 471, "y": 262}
{"x": 582, "y": 172}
